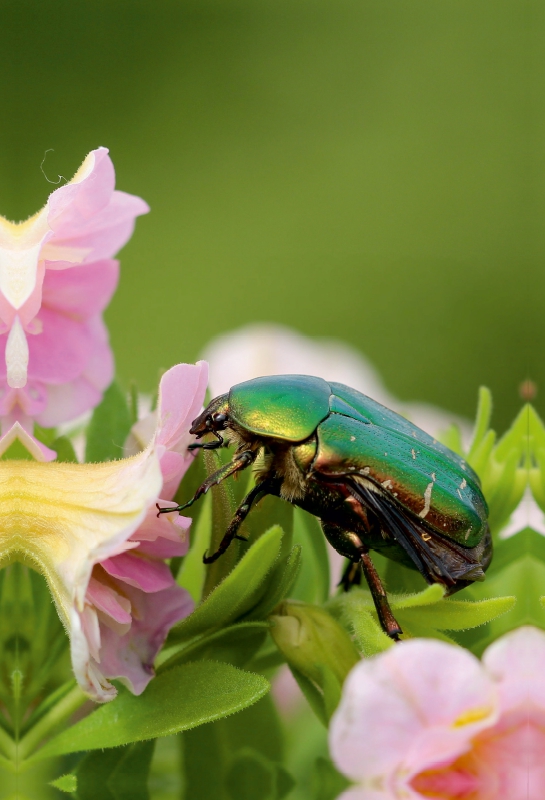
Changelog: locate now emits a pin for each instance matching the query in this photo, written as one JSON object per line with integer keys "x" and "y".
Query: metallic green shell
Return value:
{"x": 358, "y": 436}
{"x": 417, "y": 475}
{"x": 286, "y": 407}
{"x": 386, "y": 418}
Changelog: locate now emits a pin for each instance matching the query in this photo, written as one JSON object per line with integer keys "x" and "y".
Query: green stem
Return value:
{"x": 58, "y": 714}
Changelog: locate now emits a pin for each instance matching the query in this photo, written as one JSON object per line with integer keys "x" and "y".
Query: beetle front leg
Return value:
{"x": 261, "y": 489}
{"x": 239, "y": 462}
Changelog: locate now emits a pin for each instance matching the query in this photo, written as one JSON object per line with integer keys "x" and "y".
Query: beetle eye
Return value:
{"x": 220, "y": 417}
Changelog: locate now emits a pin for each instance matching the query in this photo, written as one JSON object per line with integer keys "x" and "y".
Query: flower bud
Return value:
{"x": 317, "y": 649}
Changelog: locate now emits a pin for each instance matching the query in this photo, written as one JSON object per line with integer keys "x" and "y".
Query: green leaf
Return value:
{"x": 204, "y": 753}
{"x": 236, "y": 645}
{"x": 129, "y": 777}
{"x": 208, "y": 750}
{"x": 115, "y": 774}
{"x": 314, "y": 580}
{"x": 482, "y": 422}
{"x": 66, "y": 783}
{"x": 455, "y": 615}
{"x": 428, "y": 596}
{"x": 64, "y": 450}
{"x": 238, "y": 592}
{"x": 252, "y": 776}
{"x": 313, "y": 696}
{"x": 280, "y": 583}
{"x": 179, "y": 699}
{"x": 93, "y": 772}
{"x": 109, "y": 426}
{"x": 356, "y": 611}
{"x": 327, "y": 783}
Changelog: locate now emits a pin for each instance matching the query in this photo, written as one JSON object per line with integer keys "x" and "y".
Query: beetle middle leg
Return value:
{"x": 266, "y": 486}
{"x": 349, "y": 544}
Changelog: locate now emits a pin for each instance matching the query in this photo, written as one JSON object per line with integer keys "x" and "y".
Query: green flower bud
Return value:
{"x": 318, "y": 651}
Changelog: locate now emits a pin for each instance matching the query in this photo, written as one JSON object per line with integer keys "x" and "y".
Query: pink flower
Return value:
{"x": 56, "y": 277}
{"x": 132, "y": 599}
{"x": 427, "y": 719}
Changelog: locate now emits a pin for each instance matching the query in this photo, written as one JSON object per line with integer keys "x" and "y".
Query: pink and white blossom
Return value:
{"x": 57, "y": 274}
{"x": 427, "y": 719}
{"x": 92, "y": 531}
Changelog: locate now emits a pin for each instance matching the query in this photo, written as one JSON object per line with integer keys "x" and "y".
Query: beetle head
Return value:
{"x": 215, "y": 417}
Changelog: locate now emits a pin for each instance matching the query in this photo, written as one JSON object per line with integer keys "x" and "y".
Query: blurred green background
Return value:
{"x": 369, "y": 170}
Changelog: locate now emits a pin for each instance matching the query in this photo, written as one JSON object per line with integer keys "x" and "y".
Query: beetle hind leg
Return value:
{"x": 380, "y": 599}
{"x": 350, "y": 545}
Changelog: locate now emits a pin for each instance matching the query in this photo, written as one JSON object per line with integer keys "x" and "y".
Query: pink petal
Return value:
{"x": 163, "y": 548}
{"x": 130, "y": 658}
{"x": 59, "y": 354}
{"x": 90, "y": 220}
{"x": 400, "y": 713}
{"x": 83, "y": 199}
{"x": 31, "y": 400}
{"x": 516, "y": 661}
{"x": 163, "y": 537}
{"x": 173, "y": 468}
{"x": 82, "y": 291}
{"x": 167, "y": 526}
{"x": 181, "y": 395}
{"x": 99, "y": 369}
{"x": 91, "y": 631}
{"x": 143, "y": 573}
{"x": 110, "y": 602}
{"x": 68, "y": 401}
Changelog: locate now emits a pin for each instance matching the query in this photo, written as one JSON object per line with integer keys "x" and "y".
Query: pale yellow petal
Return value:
{"x": 63, "y": 518}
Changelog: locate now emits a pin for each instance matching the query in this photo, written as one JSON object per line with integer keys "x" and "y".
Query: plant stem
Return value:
{"x": 58, "y": 714}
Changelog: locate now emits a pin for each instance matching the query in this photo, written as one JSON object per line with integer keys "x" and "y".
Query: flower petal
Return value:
{"x": 516, "y": 662}
{"x": 83, "y": 291}
{"x": 17, "y": 355}
{"x": 65, "y": 518}
{"x": 416, "y": 705}
{"x": 130, "y": 658}
{"x": 36, "y": 449}
{"x": 181, "y": 394}
{"x": 143, "y": 573}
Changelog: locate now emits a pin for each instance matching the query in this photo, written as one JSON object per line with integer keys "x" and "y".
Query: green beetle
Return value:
{"x": 375, "y": 480}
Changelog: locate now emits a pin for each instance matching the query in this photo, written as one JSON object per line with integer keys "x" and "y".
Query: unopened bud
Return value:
{"x": 315, "y": 646}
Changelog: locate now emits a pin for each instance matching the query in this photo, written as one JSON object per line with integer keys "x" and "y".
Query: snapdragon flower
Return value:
{"x": 427, "y": 719}
{"x": 57, "y": 274}
{"x": 92, "y": 531}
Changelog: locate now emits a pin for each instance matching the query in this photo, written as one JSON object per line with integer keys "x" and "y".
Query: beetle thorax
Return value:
{"x": 278, "y": 460}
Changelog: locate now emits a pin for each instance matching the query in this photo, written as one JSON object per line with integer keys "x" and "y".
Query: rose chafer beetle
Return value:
{"x": 375, "y": 480}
